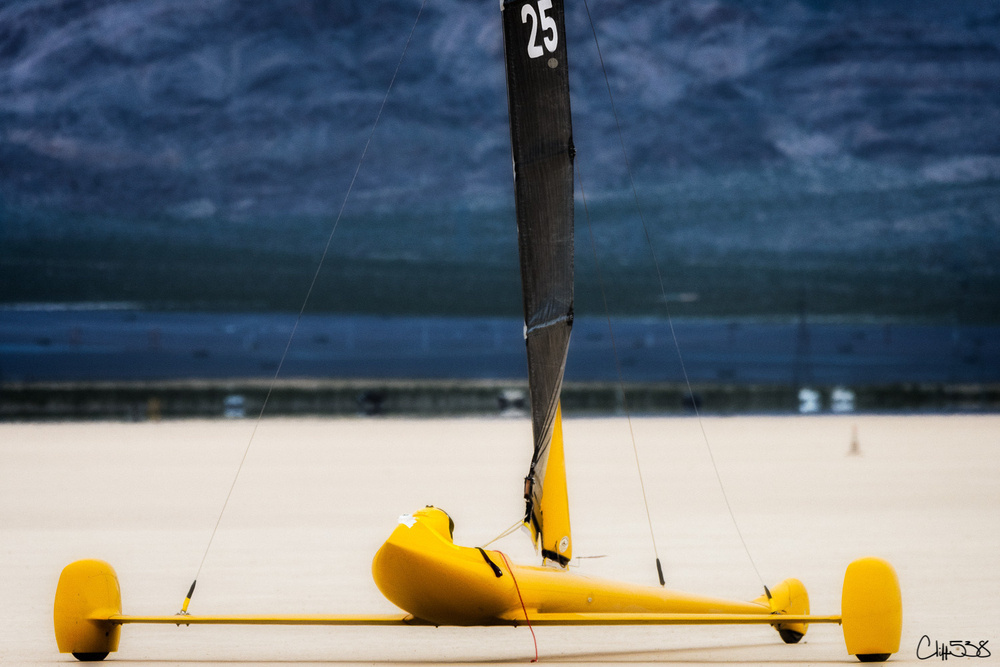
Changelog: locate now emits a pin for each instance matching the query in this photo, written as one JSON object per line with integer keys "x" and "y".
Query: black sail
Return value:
{"x": 542, "y": 146}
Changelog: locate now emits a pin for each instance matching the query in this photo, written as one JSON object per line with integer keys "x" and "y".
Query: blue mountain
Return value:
{"x": 841, "y": 155}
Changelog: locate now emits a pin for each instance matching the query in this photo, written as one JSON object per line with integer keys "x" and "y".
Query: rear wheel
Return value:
{"x": 87, "y": 596}
{"x": 789, "y": 636}
{"x": 871, "y": 610}
{"x": 874, "y": 657}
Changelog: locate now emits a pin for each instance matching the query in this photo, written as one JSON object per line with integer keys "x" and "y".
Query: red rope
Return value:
{"x": 523, "y": 608}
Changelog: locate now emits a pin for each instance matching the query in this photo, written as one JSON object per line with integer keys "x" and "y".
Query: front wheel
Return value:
{"x": 873, "y": 657}
{"x": 789, "y": 636}
{"x": 90, "y": 657}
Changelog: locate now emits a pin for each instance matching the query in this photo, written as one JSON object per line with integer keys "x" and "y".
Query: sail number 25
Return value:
{"x": 541, "y": 23}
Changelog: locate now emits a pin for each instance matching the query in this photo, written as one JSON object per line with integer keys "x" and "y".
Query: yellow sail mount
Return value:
{"x": 547, "y": 501}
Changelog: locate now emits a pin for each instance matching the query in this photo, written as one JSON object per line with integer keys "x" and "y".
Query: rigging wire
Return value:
{"x": 666, "y": 305}
{"x": 305, "y": 302}
{"x": 517, "y": 524}
{"x": 621, "y": 381}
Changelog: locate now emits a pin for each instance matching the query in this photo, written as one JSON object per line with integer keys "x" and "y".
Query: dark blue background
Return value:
{"x": 118, "y": 345}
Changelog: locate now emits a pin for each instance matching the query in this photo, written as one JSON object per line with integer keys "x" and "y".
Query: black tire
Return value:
{"x": 90, "y": 657}
{"x": 873, "y": 657}
{"x": 790, "y": 636}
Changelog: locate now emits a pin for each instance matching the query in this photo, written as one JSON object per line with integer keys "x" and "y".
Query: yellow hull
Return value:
{"x": 421, "y": 570}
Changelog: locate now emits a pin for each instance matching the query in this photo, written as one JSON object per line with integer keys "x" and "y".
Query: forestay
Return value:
{"x": 542, "y": 145}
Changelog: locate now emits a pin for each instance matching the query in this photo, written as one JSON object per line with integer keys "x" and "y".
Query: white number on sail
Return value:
{"x": 540, "y": 19}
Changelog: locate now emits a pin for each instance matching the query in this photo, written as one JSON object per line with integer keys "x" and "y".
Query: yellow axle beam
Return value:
{"x": 342, "y": 619}
{"x": 534, "y": 619}
{"x": 675, "y": 619}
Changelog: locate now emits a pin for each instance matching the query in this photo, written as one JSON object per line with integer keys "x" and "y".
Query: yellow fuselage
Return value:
{"x": 422, "y": 571}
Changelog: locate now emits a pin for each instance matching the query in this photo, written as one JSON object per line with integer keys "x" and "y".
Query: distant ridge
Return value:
{"x": 184, "y": 154}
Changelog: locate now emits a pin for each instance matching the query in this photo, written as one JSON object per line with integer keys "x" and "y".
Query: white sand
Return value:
{"x": 317, "y": 497}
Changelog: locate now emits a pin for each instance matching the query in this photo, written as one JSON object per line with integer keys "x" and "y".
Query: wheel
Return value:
{"x": 790, "y": 597}
{"x": 789, "y": 636}
{"x": 871, "y": 610}
{"x": 874, "y": 657}
{"x": 87, "y": 596}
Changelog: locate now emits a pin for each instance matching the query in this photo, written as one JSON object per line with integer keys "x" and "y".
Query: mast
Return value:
{"x": 542, "y": 146}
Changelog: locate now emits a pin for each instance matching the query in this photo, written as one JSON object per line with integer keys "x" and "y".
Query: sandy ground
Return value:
{"x": 316, "y": 498}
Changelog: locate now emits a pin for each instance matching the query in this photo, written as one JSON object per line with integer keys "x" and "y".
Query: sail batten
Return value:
{"x": 542, "y": 148}
{"x": 562, "y": 319}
